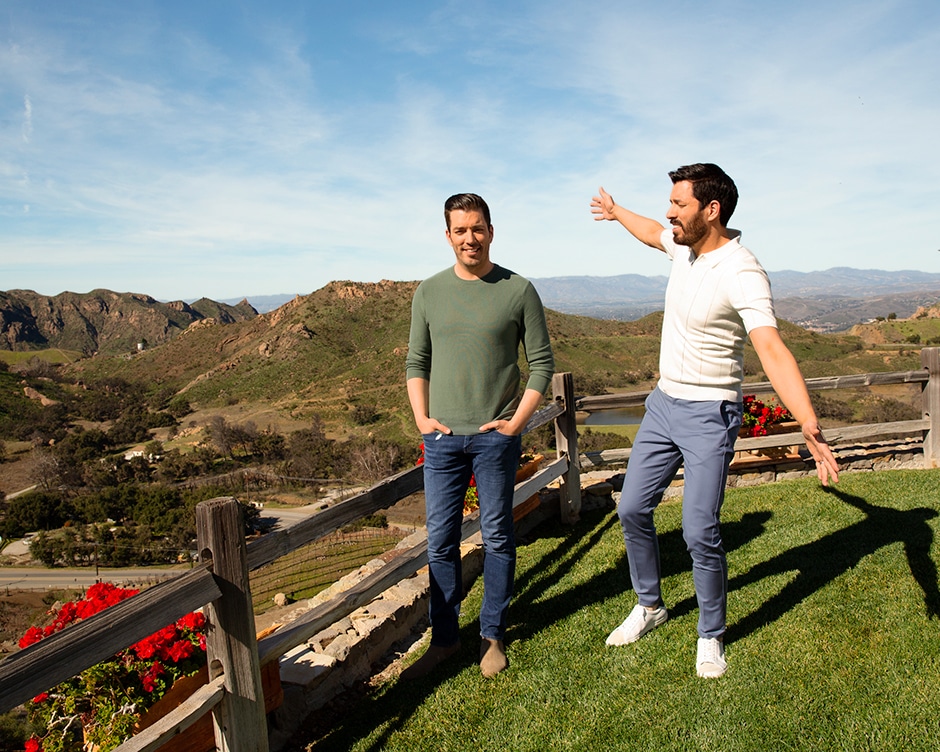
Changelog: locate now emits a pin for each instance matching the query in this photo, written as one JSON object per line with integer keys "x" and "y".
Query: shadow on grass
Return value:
{"x": 540, "y": 602}
{"x": 538, "y": 612}
{"x": 820, "y": 562}
{"x": 531, "y": 612}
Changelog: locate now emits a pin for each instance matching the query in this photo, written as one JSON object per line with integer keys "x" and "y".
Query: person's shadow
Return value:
{"x": 820, "y": 562}
{"x": 534, "y": 609}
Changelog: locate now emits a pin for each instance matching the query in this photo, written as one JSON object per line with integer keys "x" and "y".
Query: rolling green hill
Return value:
{"x": 339, "y": 353}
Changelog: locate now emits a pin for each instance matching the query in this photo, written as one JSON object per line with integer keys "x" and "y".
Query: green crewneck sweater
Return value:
{"x": 465, "y": 337}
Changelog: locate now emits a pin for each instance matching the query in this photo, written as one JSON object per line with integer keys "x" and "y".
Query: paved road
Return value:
{"x": 39, "y": 578}
{"x": 284, "y": 518}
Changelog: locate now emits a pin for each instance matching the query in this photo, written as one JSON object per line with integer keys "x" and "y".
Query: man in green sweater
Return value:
{"x": 467, "y": 323}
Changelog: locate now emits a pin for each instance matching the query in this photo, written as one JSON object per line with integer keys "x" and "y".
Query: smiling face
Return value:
{"x": 470, "y": 237}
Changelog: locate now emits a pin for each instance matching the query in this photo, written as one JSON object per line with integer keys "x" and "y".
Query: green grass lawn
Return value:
{"x": 833, "y": 638}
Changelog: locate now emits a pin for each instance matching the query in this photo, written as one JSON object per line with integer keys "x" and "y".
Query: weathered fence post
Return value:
{"x": 231, "y": 645}
{"x": 566, "y": 442}
{"x": 930, "y": 359}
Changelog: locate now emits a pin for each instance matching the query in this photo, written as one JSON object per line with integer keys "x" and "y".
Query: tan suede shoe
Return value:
{"x": 492, "y": 657}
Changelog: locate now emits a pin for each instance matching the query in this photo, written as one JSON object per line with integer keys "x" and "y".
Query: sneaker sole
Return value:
{"x": 710, "y": 671}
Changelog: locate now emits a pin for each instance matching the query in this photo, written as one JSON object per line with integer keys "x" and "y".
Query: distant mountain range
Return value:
{"x": 831, "y": 300}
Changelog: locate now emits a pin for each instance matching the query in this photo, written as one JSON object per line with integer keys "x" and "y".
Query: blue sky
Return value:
{"x": 223, "y": 149}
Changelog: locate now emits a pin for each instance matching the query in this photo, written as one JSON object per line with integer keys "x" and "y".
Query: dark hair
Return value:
{"x": 466, "y": 202}
{"x": 710, "y": 183}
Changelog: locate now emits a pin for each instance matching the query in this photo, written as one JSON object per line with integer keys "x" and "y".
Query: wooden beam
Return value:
{"x": 177, "y": 720}
{"x": 601, "y": 402}
{"x": 566, "y": 443}
{"x": 61, "y": 656}
{"x": 930, "y": 358}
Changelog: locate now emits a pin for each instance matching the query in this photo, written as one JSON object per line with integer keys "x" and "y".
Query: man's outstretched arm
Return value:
{"x": 644, "y": 229}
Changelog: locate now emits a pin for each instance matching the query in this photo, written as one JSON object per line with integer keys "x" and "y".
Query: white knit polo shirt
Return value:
{"x": 712, "y": 302}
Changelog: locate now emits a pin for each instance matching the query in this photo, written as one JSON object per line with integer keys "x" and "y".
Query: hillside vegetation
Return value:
{"x": 339, "y": 354}
{"x": 923, "y": 328}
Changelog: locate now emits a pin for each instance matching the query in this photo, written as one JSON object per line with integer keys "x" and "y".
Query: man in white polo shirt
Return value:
{"x": 718, "y": 295}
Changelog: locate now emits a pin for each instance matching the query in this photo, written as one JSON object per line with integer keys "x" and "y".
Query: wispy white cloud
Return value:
{"x": 188, "y": 153}
{"x": 27, "y": 118}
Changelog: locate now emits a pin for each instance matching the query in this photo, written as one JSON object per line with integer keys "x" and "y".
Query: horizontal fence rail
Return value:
{"x": 64, "y": 654}
{"x": 601, "y": 402}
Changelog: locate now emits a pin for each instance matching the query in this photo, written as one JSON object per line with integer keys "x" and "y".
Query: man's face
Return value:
{"x": 686, "y": 215}
{"x": 470, "y": 237}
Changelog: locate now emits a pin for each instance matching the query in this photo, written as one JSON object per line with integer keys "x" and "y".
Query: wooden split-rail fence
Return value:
{"x": 219, "y": 583}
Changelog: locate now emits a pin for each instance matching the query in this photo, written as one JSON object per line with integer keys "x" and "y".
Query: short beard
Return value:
{"x": 696, "y": 230}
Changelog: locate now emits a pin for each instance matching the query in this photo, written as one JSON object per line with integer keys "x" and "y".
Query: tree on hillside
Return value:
{"x": 177, "y": 466}
{"x": 45, "y": 472}
{"x": 311, "y": 455}
{"x": 231, "y": 438}
{"x": 270, "y": 446}
{"x": 36, "y": 511}
{"x": 372, "y": 460}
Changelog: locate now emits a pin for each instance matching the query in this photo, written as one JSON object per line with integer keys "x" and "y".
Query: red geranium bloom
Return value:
{"x": 180, "y": 650}
{"x": 32, "y": 636}
{"x": 149, "y": 679}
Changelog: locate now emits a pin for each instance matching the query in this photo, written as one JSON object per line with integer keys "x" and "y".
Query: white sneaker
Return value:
{"x": 640, "y": 621}
{"x": 710, "y": 662}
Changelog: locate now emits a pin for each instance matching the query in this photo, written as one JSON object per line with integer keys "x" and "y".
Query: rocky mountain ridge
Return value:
{"x": 111, "y": 323}
{"x": 102, "y": 320}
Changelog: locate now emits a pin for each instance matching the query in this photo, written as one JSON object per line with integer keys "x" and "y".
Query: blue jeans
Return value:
{"x": 449, "y": 461}
{"x": 700, "y": 436}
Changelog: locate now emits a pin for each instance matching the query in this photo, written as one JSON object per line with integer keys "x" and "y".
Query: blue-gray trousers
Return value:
{"x": 700, "y": 436}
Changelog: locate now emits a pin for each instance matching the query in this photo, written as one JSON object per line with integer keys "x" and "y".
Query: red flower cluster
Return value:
{"x": 757, "y": 416}
{"x": 142, "y": 672}
{"x": 98, "y": 598}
